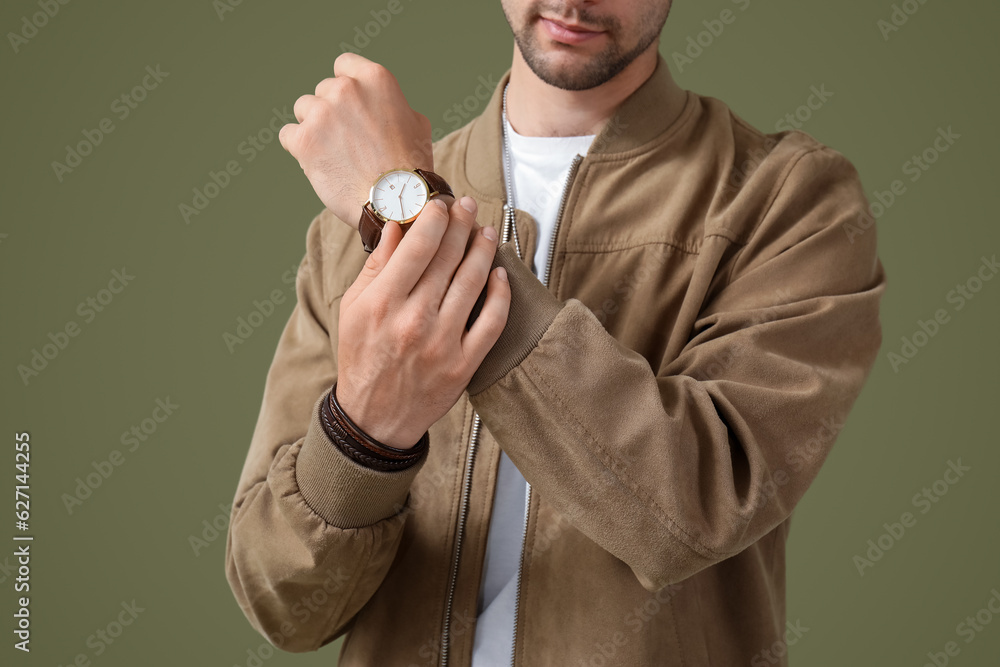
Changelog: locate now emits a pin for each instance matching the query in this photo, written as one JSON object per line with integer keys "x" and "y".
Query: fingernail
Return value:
{"x": 502, "y": 273}
{"x": 468, "y": 203}
{"x": 490, "y": 233}
{"x": 440, "y": 205}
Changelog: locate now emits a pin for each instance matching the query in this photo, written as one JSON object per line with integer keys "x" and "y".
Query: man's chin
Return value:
{"x": 565, "y": 73}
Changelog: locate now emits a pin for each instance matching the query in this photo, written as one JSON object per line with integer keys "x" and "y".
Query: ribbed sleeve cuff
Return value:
{"x": 347, "y": 494}
{"x": 532, "y": 309}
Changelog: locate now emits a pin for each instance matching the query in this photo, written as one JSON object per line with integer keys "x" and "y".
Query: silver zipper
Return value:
{"x": 509, "y": 228}
{"x": 460, "y": 531}
{"x": 463, "y": 512}
{"x": 527, "y": 493}
{"x": 508, "y": 225}
{"x": 577, "y": 159}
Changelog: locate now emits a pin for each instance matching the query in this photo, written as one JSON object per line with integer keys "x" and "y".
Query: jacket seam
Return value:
{"x": 465, "y": 143}
{"x": 338, "y": 610}
{"x": 677, "y": 635}
{"x": 703, "y": 645}
{"x": 776, "y": 190}
{"x": 597, "y": 249}
{"x": 664, "y": 518}
{"x": 691, "y": 101}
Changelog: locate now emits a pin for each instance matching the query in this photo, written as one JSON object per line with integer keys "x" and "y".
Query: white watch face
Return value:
{"x": 399, "y": 195}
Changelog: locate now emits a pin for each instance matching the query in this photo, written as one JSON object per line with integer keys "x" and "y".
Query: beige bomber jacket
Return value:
{"x": 711, "y": 315}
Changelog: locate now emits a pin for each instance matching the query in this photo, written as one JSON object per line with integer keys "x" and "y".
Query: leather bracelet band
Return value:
{"x": 362, "y": 448}
{"x": 352, "y": 449}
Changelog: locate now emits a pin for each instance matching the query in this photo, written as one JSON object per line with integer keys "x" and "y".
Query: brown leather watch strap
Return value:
{"x": 370, "y": 225}
{"x": 437, "y": 184}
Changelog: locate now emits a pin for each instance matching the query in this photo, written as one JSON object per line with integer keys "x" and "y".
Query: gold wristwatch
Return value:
{"x": 398, "y": 195}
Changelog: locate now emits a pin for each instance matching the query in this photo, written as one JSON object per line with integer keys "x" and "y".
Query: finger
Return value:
{"x": 433, "y": 284}
{"x": 469, "y": 279}
{"x": 327, "y": 86}
{"x": 373, "y": 76}
{"x": 288, "y": 136}
{"x": 376, "y": 263}
{"x": 350, "y": 64}
{"x": 418, "y": 247}
{"x": 485, "y": 331}
{"x": 303, "y": 105}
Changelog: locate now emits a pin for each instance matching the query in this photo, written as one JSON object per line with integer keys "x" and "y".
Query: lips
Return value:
{"x": 568, "y": 33}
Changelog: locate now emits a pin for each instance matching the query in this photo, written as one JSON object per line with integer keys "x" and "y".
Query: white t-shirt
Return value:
{"x": 540, "y": 166}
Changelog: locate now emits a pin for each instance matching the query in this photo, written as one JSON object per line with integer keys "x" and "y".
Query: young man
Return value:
{"x": 598, "y": 462}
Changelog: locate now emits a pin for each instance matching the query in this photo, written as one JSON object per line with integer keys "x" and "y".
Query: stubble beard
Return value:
{"x": 596, "y": 70}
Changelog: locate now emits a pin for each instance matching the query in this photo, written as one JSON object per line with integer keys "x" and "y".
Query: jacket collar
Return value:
{"x": 645, "y": 114}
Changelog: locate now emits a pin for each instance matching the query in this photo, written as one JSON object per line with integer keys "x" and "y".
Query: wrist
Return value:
{"x": 377, "y": 431}
{"x": 360, "y": 446}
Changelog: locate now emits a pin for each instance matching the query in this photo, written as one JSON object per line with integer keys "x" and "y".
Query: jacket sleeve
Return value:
{"x": 674, "y": 468}
{"x": 312, "y": 533}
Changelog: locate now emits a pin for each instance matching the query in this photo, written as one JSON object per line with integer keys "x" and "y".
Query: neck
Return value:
{"x": 537, "y": 109}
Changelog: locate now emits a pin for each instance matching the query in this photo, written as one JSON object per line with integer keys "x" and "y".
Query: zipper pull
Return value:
{"x": 509, "y": 229}
{"x": 504, "y": 229}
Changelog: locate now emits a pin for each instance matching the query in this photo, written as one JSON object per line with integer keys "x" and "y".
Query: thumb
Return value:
{"x": 392, "y": 234}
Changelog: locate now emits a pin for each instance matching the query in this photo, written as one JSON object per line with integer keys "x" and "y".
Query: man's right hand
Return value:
{"x": 404, "y": 356}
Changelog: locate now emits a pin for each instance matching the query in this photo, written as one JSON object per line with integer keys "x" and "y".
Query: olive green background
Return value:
{"x": 162, "y": 336}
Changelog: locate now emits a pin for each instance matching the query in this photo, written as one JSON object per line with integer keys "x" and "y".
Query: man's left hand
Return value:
{"x": 356, "y": 126}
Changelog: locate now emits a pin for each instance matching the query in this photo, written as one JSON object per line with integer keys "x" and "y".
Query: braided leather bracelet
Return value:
{"x": 362, "y": 448}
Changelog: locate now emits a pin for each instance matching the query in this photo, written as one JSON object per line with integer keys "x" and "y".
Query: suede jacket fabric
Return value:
{"x": 711, "y": 315}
